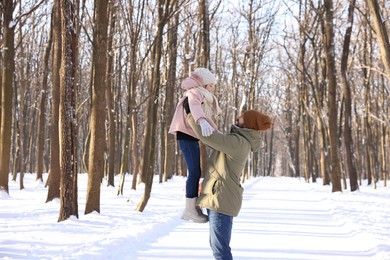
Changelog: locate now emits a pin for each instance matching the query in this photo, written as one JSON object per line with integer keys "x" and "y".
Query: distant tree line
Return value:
{"x": 90, "y": 86}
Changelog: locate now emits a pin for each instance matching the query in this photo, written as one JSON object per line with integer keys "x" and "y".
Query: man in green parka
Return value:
{"x": 221, "y": 192}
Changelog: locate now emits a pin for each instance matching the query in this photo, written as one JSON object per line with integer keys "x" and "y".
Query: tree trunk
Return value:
{"x": 6, "y": 92}
{"x": 54, "y": 172}
{"x": 297, "y": 164}
{"x": 384, "y": 137}
{"x": 42, "y": 106}
{"x": 203, "y": 60}
{"x": 135, "y": 143}
{"x": 332, "y": 96}
{"x": 367, "y": 157}
{"x": 98, "y": 113}
{"x": 147, "y": 170}
{"x": 319, "y": 93}
{"x": 67, "y": 116}
{"x": 384, "y": 45}
{"x": 21, "y": 141}
{"x": 132, "y": 108}
{"x": 204, "y": 37}
{"x": 368, "y": 139}
{"x": 150, "y": 131}
{"x": 109, "y": 97}
{"x": 271, "y": 167}
{"x": 348, "y": 141}
{"x": 381, "y": 32}
{"x": 169, "y": 163}
{"x": 303, "y": 95}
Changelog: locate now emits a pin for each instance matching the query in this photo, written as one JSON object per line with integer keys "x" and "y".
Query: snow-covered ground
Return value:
{"x": 281, "y": 218}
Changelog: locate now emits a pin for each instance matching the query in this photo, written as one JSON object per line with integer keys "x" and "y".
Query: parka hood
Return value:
{"x": 251, "y": 135}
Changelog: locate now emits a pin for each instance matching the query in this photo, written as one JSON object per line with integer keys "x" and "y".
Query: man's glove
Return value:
{"x": 186, "y": 105}
{"x": 207, "y": 130}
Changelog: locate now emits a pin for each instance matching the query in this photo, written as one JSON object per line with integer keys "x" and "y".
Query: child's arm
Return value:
{"x": 195, "y": 99}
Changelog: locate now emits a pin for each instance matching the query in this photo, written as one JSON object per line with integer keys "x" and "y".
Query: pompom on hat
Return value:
{"x": 256, "y": 120}
{"x": 199, "y": 78}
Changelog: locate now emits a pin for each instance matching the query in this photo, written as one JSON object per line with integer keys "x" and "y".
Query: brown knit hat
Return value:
{"x": 256, "y": 120}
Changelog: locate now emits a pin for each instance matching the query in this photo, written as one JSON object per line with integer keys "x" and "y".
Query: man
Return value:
{"x": 221, "y": 192}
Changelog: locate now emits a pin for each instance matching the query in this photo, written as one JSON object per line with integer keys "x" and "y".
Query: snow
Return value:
{"x": 281, "y": 218}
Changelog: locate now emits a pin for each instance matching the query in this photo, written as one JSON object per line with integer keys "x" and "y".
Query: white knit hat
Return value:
{"x": 205, "y": 76}
{"x": 199, "y": 78}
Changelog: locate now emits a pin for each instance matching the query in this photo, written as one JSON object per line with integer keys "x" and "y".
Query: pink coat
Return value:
{"x": 179, "y": 120}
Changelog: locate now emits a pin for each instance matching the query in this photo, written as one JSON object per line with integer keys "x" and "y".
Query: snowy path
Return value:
{"x": 272, "y": 226}
{"x": 281, "y": 218}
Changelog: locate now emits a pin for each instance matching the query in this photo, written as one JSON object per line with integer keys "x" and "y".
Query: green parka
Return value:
{"x": 221, "y": 189}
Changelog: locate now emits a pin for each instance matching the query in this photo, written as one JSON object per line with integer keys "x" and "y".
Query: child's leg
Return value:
{"x": 191, "y": 153}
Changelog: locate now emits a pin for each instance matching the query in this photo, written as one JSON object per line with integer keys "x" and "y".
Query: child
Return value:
{"x": 200, "y": 100}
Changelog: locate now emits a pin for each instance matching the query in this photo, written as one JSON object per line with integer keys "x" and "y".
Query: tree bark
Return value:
{"x": 204, "y": 37}
{"x": 348, "y": 141}
{"x": 332, "y": 96}
{"x": 98, "y": 113}
{"x": 384, "y": 46}
{"x": 381, "y": 32}
{"x": 203, "y": 60}
{"x": 6, "y": 92}
{"x": 67, "y": 116}
{"x": 164, "y": 10}
{"x": 369, "y": 158}
{"x": 169, "y": 163}
{"x": 54, "y": 172}
{"x": 297, "y": 164}
{"x": 132, "y": 108}
{"x": 42, "y": 106}
{"x": 109, "y": 97}
{"x": 22, "y": 109}
{"x": 303, "y": 94}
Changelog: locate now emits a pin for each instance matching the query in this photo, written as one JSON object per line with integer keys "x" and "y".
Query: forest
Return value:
{"x": 90, "y": 87}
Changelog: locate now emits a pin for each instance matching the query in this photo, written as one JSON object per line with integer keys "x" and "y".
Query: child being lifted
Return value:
{"x": 200, "y": 100}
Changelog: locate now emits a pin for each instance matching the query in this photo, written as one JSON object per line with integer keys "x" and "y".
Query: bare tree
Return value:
{"x": 8, "y": 68}
{"x": 332, "y": 95}
{"x": 204, "y": 34}
{"x": 303, "y": 95}
{"x": 53, "y": 180}
{"x": 203, "y": 58}
{"x": 348, "y": 141}
{"x": 381, "y": 32}
{"x": 169, "y": 105}
{"x": 22, "y": 107}
{"x": 42, "y": 105}
{"x": 134, "y": 28}
{"x": 98, "y": 113}
{"x": 67, "y": 115}
{"x": 109, "y": 95}
{"x": 164, "y": 8}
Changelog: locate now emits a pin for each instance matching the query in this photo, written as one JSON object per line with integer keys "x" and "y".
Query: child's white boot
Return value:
{"x": 193, "y": 212}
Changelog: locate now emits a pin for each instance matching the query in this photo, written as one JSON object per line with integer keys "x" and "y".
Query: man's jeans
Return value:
{"x": 220, "y": 233}
{"x": 191, "y": 153}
